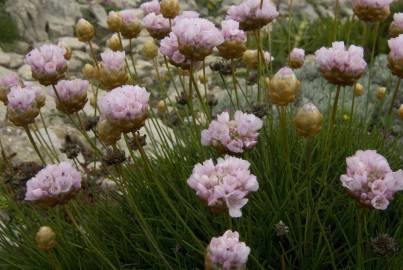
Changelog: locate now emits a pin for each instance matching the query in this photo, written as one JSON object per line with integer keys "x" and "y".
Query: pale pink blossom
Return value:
{"x": 157, "y": 25}
{"x": 47, "y": 60}
{"x": 370, "y": 179}
{"x": 53, "y": 183}
{"x": 150, "y": 7}
{"x": 224, "y": 185}
{"x": 170, "y": 48}
{"x": 113, "y": 61}
{"x": 230, "y": 31}
{"x": 6, "y": 83}
{"x": 186, "y": 15}
{"x": 396, "y": 48}
{"x": 128, "y": 15}
{"x": 233, "y": 135}
{"x": 68, "y": 90}
{"x": 372, "y": 3}
{"x": 227, "y": 252}
{"x": 23, "y": 98}
{"x": 297, "y": 55}
{"x": 398, "y": 20}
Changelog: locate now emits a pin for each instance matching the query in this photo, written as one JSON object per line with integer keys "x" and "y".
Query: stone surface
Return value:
{"x": 25, "y": 72}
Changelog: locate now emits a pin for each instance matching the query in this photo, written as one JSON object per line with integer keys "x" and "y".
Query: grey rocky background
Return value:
{"x": 41, "y": 21}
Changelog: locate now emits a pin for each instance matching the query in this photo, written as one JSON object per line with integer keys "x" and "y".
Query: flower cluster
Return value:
{"x": 372, "y": 10}
{"x": 47, "y": 63}
{"x": 157, "y": 26}
{"x": 396, "y": 27}
{"x": 113, "y": 71}
{"x": 125, "y": 108}
{"x": 131, "y": 26}
{"x": 55, "y": 184}
{"x": 224, "y": 185}
{"x": 370, "y": 180}
{"x": 251, "y": 15}
{"x": 227, "y": 252}
{"x": 6, "y": 83}
{"x": 296, "y": 58}
{"x": 196, "y": 37}
{"x": 150, "y": 7}
{"x": 24, "y": 104}
{"x": 396, "y": 55}
{"x": 340, "y": 65}
{"x": 234, "y": 40}
{"x": 70, "y": 96}
{"x": 232, "y": 136}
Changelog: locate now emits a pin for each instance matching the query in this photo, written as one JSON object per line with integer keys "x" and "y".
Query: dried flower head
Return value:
{"x": 308, "y": 120}
{"x": 45, "y": 238}
{"x": 71, "y": 147}
{"x": 114, "y": 157}
{"x": 150, "y": 50}
{"x": 232, "y": 135}
{"x": 84, "y": 30}
{"x": 384, "y": 244}
{"x": 371, "y": 10}
{"x": 284, "y": 87}
{"x": 370, "y": 180}
{"x": 224, "y": 185}
{"x": 108, "y": 133}
{"x": 396, "y": 55}
{"x": 281, "y": 229}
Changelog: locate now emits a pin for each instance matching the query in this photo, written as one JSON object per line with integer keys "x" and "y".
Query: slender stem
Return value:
{"x": 47, "y": 133}
{"x": 234, "y": 82}
{"x": 359, "y": 239}
{"x": 394, "y": 96}
{"x": 308, "y": 153}
{"x": 282, "y": 262}
{"x": 336, "y": 19}
{"x": 283, "y": 127}
{"x": 52, "y": 260}
{"x": 126, "y": 62}
{"x": 334, "y": 109}
{"x": 352, "y": 104}
{"x": 199, "y": 96}
{"x": 31, "y": 139}
{"x": 143, "y": 154}
{"x": 3, "y": 154}
{"x": 93, "y": 54}
{"x": 374, "y": 42}
{"x": 132, "y": 58}
{"x": 289, "y": 23}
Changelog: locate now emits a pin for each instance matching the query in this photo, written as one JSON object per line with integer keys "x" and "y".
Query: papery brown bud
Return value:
{"x": 250, "y": 59}
{"x": 93, "y": 102}
{"x": 232, "y": 49}
{"x": 114, "y": 44}
{"x": 84, "y": 30}
{"x": 150, "y": 50}
{"x": 400, "y": 111}
{"x": 68, "y": 53}
{"x": 45, "y": 238}
{"x": 395, "y": 30}
{"x": 395, "y": 66}
{"x": 380, "y": 93}
{"x": 203, "y": 79}
{"x": 308, "y": 120}
{"x": 358, "y": 90}
{"x": 284, "y": 87}
{"x": 169, "y": 8}
{"x": 114, "y": 21}
{"x": 131, "y": 30}
{"x": 161, "y": 107}
{"x": 112, "y": 79}
{"x": 108, "y": 134}
{"x": 371, "y": 14}
{"x": 89, "y": 71}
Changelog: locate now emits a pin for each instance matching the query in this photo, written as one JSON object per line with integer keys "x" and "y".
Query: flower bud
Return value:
{"x": 346, "y": 117}
{"x": 371, "y": 13}
{"x": 308, "y": 120}
{"x": 203, "y": 79}
{"x": 250, "y": 58}
{"x": 131, "y": 29}
{"x": 296, "y": 58}
{"x": 169, "y": 8}
{"x": 89, "y": 71}
{"x": 45, "y": 238}
{"x": 231, "y": 49}
{"x": 84, "y": 30}
{"x": 114, "y": 21}
{"x": 358, "y": 90}
{"x": 108, "y": 133}
{"x": 114, "y": 44}
{"x": 400, "y": 111}
{"x": 68, "y": 53}
{"x": 161, "y": 107}
{"x": 150, "y": 50}
{"x": 380, "y": 93}
{"x": 284, "y": 87}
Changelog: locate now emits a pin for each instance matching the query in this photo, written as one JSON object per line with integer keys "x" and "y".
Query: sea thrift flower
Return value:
{"x": 234, "y": 40}
{"x": 113, "y": 72}
{"x": 224, "y": 185}
{"x": 131, "y": 26}
{"x": 296, "y": 58}
{"x": 6, "y": 83}
{"x": 251, "y": 60}
{"x": 284, "y": 87}
{"x": 196, "y": 37}
{"x": 358, "y": 90}
{"x": 70, "y": 96}
{"x": 170, "y": 48}
{"x": 396, "y": 55}
{"x": 126, "y": 107}
{"x": 157, "y": 26}
{"x": 308, "y": 120}
{"x": 370, "y": 180}
{"x": 186, "y": 14}
{"x": 114, "y": 21}
{"x": 372, "y": 10}
{"x": 55, "y": 184}
{"x": 48, "y": 64}
{"x": 84, "y": 30}
{"x": 169, "y": 8}
{"x": 232, "y": 136}
{"x": 396, "y": 27}
{"x": 24, "y": 104}
{"x": 150, "y": 7}
{"x": 45, "y": 238}
{"x": 227, "y": 252}
{"x": 250, "y": 16}
{"x": 339, "y": 65}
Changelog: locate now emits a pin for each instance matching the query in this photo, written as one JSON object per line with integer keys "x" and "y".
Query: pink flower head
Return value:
{"x": 197, "y": 37}
{"x": 236, "y": 135}
{"x": 23, "y": 98}
{"x": 297, "y": 54}
{"x": 250, "y": 15}
{"x": 170, "y": 48}
{"x": 113, "y": 61}
{"x": 341, "y": 65}
{"x": 46, "y": 61}
{"x": 372, "y": 3}
{"x": 128, "y": 16}
{"x": 157, "y": 25}
{"x": 150, "y": 7}
{"x": 230, "y": 31}
{"x": 225, "y": 184}
{"x": 396, "y": 48}
{"x": 398, "y": 20}
{"x": 186, "y": 15}
{"x": 68, "y": 90}
{"x": 227, "y": 252}
{"x": 6, "y": 83}
{"x": 370, "y": 179}
{"x": 125, "y": 106}
{"x": 53, "y": 184}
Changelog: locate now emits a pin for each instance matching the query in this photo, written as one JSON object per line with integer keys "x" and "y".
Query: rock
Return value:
{"x": 21, "y": 47}
{"x": 100, "y": 14}
{"x": 75, "y": 65}
{"x": 36, "y": 23}
{"x": 16, "y": 60}
{"x": 72, "y": 42}
{"x": 4, "y": 71}
{"x": 4, "y": 59}
{"x": 82, "y": 56}
{"x": 25, "y": 72}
